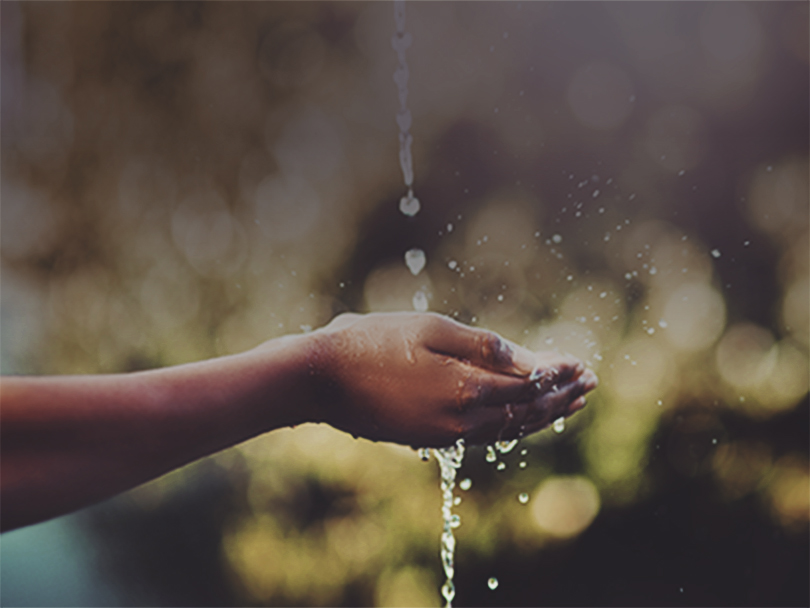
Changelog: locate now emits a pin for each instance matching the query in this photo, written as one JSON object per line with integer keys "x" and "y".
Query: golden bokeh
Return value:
{"x": 183, "y": 181}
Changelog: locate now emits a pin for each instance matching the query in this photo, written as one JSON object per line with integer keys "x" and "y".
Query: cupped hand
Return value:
{"x": 424, "y": 380}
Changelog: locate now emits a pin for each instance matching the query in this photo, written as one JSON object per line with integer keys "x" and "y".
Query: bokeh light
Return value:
{"x": 624, "y": 182}
{"x": 565, "y": 506}
{"x": 694, "y": 316}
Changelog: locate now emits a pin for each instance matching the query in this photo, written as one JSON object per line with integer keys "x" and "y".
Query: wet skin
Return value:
{"x": 425, "y": 380}
{"x": 416, "y": 379}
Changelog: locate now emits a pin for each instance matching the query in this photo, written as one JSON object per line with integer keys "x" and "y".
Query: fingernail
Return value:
{"x": 589, "y": 383}
{"x": 523, "y": 359}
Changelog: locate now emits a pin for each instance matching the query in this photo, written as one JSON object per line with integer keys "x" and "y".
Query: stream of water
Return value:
{"x": 450, "y": 458}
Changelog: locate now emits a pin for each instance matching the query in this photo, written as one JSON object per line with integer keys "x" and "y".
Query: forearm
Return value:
{"x": 70, "y": 441}
{"x": 414, "y": 379}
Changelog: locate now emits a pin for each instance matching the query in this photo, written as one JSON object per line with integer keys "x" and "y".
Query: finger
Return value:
{"x": 518, "y": 419}
{"x": 343, "y": 320}
{"x": 563, "y": 401}
{"x": 486, "y": 425}
{"x": 537, "y": 426}
{"x": 482, "y": 389}
{"x": 555, "y": 368}
{"x": 589, "y": 380}
{"x": 512, "y": 421}
{"x": 576, "y": 406}
{"x": 480, "y": 347}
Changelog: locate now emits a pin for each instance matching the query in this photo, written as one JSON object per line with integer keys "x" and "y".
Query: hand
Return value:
{"x": 425, "y": 380}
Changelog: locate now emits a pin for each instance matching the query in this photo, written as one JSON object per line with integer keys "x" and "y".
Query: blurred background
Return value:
{"x": 627, "y": 182}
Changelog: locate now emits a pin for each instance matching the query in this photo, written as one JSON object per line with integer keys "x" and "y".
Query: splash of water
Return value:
{"x": 504, "y": 447}
{"x": 491, "y": 455}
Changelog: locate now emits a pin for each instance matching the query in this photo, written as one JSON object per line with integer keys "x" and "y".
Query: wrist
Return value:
{"x": 230, "y": 399}
{"x": 288, "y": 374}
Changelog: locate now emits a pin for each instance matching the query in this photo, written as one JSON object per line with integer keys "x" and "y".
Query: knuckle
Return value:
{"x": 433, "y": 322}
{"x": 472, "y": 394}
{"x": 494, "y": 350}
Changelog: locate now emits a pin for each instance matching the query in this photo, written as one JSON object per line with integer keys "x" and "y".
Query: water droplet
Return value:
{"x": 465, "y": 484}
{"x": 524, "y": 451}
{"x": 660, "y": 402}
{"x": 522, "y": 464}
{"x": 492, "y": 583}
{"x": 714, "y": 441}
{"x": 409, "y": 204}
{"x": 501, "y": 466}
{"x": 746, "y": 243}
{"x": 420, "y": 301}
{"x": 650, "y": 330}
{"x": 557, "y": 238}
{"x": 415, "y": 260}
{"x": 452, "y": 264}
{"x": 500, "y": 297}
{"x": 682, "y": 172}
{"x": 559, "y": 425}
{"x": 491, "y": 455}
{"x": 523, "y": 498}
{"x": 595, "y": 193}
{"x": 504, "y": 447}
{"x": 715, "y": 253}
{"x": 449, "y": 227}
{"x": 662, "y": 324}
{"x": 448, "y": 591}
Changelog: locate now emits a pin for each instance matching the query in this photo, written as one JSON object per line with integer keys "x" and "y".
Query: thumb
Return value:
{"x": 480, "y": 347}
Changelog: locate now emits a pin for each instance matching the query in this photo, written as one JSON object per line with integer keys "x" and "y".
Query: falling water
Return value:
{"x": 449, "y": 462}
{"x": 449, "y": 458}
{"x": 408, "y": 204}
